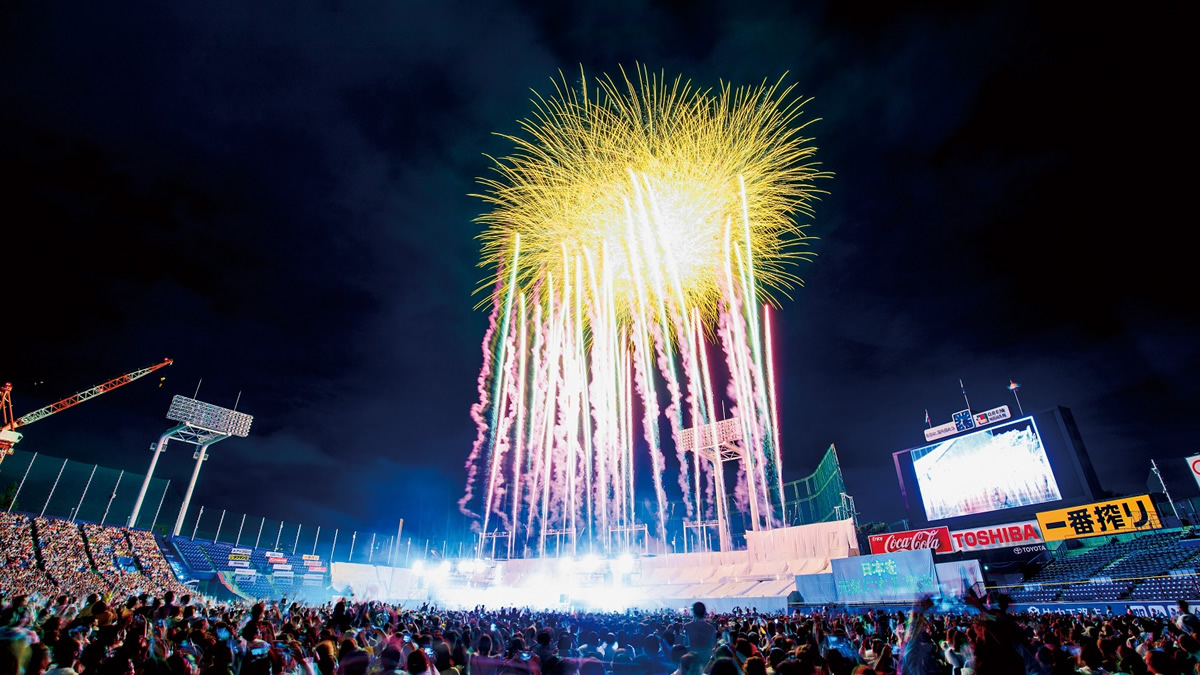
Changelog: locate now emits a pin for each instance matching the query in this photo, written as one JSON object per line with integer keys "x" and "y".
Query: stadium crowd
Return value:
{"x": 175, "y": 635}
{"x": 123, "y": 562}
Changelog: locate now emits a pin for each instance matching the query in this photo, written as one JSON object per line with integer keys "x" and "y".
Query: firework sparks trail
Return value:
{"x": 733, "y": 390}
{"x": 643, "y": 378}
{"x": 505, "y": 413}
{"x": 751, "y": 388}
{"x": 687, "y": 353}
{"x": 707, "y": 388}
{"x": 520, "y": 403}
{"x": 626, "y": 195}
{"x": 666, "y": 366}
{"x": 478, "y": 408}
{"x": 538, "y": 416}
{"x": 777, "y": 441}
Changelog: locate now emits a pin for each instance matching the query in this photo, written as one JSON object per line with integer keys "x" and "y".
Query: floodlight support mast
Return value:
{"x": 158, "y": 449}
{"x": 200, "y": 455}
{"x": 200, "y": 424}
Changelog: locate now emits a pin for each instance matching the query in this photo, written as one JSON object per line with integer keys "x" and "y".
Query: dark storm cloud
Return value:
{"x": 276, "y": 196}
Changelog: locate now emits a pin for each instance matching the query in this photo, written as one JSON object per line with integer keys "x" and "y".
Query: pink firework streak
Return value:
{"x": 481, "y": 425}
{"x": 674, "y": 409}
{"x": 650, "y": 423}
{"x": 741, "y": 493}
{"x": 495, "y": 493}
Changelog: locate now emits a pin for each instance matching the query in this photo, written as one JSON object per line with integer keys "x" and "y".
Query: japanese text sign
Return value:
{"x": 1115, "y": 516}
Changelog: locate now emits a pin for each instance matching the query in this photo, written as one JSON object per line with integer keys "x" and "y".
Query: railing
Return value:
{"x": 1128, "y": 587}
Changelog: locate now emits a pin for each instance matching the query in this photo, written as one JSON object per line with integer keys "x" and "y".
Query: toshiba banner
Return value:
{"x": 936, "y": 539}
{"x": 1009, "y": 535}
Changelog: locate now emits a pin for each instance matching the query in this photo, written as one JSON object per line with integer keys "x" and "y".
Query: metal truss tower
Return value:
{"x": 717, "y": 443}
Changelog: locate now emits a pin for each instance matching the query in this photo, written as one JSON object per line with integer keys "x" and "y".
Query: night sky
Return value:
{"x": 277, "y": 198}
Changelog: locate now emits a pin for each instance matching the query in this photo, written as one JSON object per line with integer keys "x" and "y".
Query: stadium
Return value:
{"x": 1051, "y": 539}
{"x": 612, "y": 374}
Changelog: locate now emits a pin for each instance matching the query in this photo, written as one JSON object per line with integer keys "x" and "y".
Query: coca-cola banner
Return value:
{"x": 1025, "y": 534}
{"x": 936, "y": 539}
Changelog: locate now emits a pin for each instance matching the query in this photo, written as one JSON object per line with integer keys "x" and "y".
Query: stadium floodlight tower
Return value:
{"x": 717, "y": 443}
{"x": 200, "y": 424}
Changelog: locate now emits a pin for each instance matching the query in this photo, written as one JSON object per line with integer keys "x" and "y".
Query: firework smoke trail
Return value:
{"x": 603, "y": 388}
{"x": 733, "y": 391}
{"x": 585, "y": 407}
{"x": 549, "y": 420}
{"x": 477, "y": 409}
{"x": 730, "y": 315}
{"x": 538, "y": 416}
{"x": 571, "y": 407}
{"x": 520, "y": 434}
{"x": 627, "y": 489}
{"x": 765, "y": 426}
{"x": 755, "y": 385}
{"x": 707, "y": 389}
{"x": 666, "y": 366}
{"x": 499, "y": 384}
{"x": 751, "y": 392}
{"x": 501, "y": 435}
{"x": 643, "y": 378}
{"x": 687, "y": 352}
{"x": 749, "y": 291}
{"x": 774, "y": 410}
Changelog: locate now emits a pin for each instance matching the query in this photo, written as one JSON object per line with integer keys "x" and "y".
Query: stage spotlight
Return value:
{"x": 418, "y": 567}
{"x": 444, "y": 567}
{"x": 590, "y": 563}
{"x": 623, "y": 564}
{"x": 566, "y": 565}
{"x": 466, "y": 566}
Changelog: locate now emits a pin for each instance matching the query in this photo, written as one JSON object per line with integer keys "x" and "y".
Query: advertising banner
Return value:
{"x": 1193, "y": 463}
{"x": 275, "y": 560}
{"x": 239, "y": 563}
{"x": 955, "y": 578}
{"x": 240, "y": 551}
{"x": 245, "y": 572}
{"x": 941, "y": 431}
{"x": 314, "y": 568}
{"x": 1025, "y": 533}
{"x": 318, "y": 577}
{"x": 276, "y": 554}
{"x": 315, "y": 558}
{"x": 1115, "y": 516}
{"x": 282, "y": 573}
{"x": 239, "y": 556}
{"x": 902, "y": 576}
{"x": 283, "y": 568}
{"x": 816, "y": 589}
{"x": 936, "y": 539}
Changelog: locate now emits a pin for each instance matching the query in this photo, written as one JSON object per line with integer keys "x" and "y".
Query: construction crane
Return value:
{"x": 9, "y": 424}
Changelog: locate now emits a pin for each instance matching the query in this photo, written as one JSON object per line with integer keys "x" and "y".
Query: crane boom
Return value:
{"x": 80, "y": 397}
{"x": 8, "y": 424}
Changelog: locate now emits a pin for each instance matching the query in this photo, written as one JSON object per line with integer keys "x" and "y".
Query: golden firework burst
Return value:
{"x": 641, "y": 183}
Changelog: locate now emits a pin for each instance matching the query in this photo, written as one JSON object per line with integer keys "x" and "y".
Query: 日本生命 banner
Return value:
{"x": 902, "y": 576}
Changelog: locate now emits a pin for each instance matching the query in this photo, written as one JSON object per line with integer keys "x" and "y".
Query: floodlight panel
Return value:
{"x": 209, "y": 416}
{"x": 711, "y": 435}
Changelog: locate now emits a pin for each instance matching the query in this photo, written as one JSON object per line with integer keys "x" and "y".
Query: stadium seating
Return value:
{"x": 1147, "y": 566}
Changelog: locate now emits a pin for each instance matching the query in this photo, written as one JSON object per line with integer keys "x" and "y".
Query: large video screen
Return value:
{"x": 995, "y": 468}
